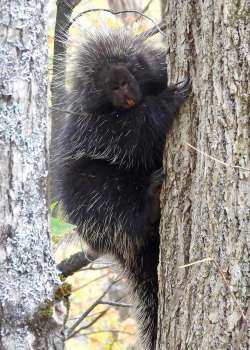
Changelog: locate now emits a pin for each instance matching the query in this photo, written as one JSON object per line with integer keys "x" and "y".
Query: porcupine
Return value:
{"x": 109, "y": 166}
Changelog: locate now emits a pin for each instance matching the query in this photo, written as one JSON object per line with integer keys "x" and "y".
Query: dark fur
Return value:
{"x": 109, "y": 157}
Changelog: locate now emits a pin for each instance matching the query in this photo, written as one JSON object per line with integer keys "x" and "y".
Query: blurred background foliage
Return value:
{"x": 107, "y": 326}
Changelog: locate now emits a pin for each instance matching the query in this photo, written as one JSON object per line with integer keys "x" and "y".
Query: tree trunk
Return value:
{"x": 27, "y": 269}
{"x": 206, "y": 201}
{"x": 64, "y": 11}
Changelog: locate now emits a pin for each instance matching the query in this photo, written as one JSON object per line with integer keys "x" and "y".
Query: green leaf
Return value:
{"x": 53, "y": 205}
{"x": 59, "y": 227}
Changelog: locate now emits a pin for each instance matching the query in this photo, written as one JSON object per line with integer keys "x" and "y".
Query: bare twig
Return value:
{"x": 147, "y": 6}
{"x": 217, "y": 160}
{"x": 114, "y": 303}
{"x": 157, "y": 27}
{"x": 92, "y": 314}
{"x": 145, "y": 9}
{"x": 82, "y": 317}
{"x": 195, "y": 262}
{"x": 101, "y": 314}
{"x": 223, "y": 277}
{"x": 116, "y": 331}
{"x": 92, "y": 281}
{"x": 92, "y": 268}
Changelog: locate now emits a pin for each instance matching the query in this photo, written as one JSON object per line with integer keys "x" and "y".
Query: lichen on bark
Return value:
{"x": 27, "y": 272}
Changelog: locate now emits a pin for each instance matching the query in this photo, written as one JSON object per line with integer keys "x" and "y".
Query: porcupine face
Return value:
{"x": 115, "y": 70}
{"x": 121, "y": 87}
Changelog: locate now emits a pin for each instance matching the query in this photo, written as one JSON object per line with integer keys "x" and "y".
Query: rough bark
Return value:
{"x": 206, "y": 204}
{"x": 27, "y": 269}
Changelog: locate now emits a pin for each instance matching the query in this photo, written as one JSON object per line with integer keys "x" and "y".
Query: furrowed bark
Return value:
{"x": 206, "y": 204}
{"x": 28, "y": 276}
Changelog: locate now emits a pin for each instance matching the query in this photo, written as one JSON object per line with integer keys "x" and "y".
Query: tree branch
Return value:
{"x": 64, "y": 12}
{"x": 114, "y": 303}
{"x": 85, "y": 314}
{"x": 73, "y": 334}
{"x": 147, "y": 6}
{"x": 158, "y": 28}
{"x": 74, "y": 263}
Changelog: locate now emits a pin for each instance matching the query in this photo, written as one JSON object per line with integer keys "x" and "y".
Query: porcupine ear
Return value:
{"x": 154, "y": 60}
{"x": 154, "y": 63}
